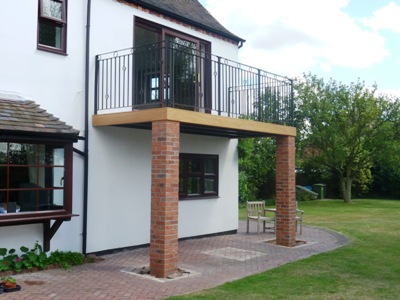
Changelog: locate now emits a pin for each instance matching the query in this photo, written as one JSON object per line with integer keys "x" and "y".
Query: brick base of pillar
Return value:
{"x": 164, "y": 198}
{"x": 285, "y": 191}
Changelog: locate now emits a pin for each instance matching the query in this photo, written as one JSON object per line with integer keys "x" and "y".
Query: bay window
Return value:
{"x": 35, "y": 179}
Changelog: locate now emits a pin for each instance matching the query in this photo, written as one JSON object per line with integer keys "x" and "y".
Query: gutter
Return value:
{"x": 86, "y": 143}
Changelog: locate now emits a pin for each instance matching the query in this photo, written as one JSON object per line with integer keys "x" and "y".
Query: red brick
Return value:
{"x": 285, "y": 191}
{"x": 164, "y": 200}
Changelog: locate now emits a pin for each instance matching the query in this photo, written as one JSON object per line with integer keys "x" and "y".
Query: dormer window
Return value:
{"x": 52, "y": 26}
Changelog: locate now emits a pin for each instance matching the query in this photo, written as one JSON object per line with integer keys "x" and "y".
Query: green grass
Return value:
{"x": 367, "y": 268}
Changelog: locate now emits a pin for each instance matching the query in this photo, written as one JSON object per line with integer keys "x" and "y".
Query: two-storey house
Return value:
{"x": 155, "y": 102}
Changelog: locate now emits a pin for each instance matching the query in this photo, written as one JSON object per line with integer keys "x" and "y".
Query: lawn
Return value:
{"x": 367, "y": 268}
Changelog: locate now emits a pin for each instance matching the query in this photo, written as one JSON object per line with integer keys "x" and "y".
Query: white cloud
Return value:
{"x": 387, "y": 17}
{"x": 290, "y": 36}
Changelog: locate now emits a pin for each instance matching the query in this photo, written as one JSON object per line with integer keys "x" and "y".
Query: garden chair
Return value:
{"x": 256, "y": 212}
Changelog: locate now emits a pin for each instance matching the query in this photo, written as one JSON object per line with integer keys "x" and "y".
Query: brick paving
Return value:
{"x": 211, "y": 262}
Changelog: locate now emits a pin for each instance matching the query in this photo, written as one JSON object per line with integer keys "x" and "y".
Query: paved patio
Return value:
{"x": 209, "y": 262}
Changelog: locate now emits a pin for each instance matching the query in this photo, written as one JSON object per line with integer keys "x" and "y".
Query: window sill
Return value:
{"x": 32, "y": 218}
{"x": 199, "y": 198}
{"x": 52, "y": 50}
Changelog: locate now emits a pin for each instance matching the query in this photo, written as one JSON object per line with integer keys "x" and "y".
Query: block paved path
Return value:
{"x": 210, "y": 262}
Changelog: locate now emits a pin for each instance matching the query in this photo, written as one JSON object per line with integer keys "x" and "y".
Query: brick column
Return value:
{"x": 285, "y": 191}
{"x": 164, "y": 198}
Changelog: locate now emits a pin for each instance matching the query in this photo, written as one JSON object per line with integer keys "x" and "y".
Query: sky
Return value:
{"x": 346, "y": 40}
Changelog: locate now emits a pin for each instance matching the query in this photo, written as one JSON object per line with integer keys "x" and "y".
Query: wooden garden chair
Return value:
{"x": 256, "y": 212}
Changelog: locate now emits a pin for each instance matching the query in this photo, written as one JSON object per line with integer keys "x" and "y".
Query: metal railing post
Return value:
{"x": 291, "y": 100}
{"x": 219, "y": 85}
{"x": 259, "y": 95}
{"x": 131, "y": 70}
{"x": 96, "y": 84}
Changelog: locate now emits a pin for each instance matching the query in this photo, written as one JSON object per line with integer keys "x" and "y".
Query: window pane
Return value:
{"x": 58, "y": 200}
{"x": 58, "y": 178}
{"x": 210, "y": 166}
{"x": 144, "y": 36}
{"x": 3, "y": 202}
{"x": 52, "y": 156}
{"x": 3, "y": 177}
{"x": 10, "y": 207}
{"x": 50, "y": 34}
{"x": 194, "y": 165}
{"x": 193, "y": 186}
{"x": 52, "y": 9}
{"x": 20, "y": 175}
{"x": 18, "y": 155}
{"x": 3, "y": 153}
{"x": 13, "y": 205}
{"x": 209, "y": 185}
{"x": 181, "y": 186}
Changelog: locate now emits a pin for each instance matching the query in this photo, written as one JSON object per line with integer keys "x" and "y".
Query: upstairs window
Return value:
{"x": 198, "y": 176}
{"x": 52, "y": 26}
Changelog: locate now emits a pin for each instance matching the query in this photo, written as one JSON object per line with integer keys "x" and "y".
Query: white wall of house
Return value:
{"x": 206, "y": 216}
{"x": 56, "y": 83}
{"x": 120, "y": 186}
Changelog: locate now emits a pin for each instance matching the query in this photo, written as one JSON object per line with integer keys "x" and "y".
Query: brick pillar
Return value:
{"x": 285, "y": 191}
{"x": 164, "y": 198}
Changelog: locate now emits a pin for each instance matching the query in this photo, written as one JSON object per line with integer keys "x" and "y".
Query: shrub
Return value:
{"x": 66, "y": 259}
{"x": 36, "y": 257}
{"x": 30, "y": 258}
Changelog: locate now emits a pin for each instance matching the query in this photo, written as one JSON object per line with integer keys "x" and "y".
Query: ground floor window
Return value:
{"x": 198, "y": 175}
{"x": 34, "y": 178}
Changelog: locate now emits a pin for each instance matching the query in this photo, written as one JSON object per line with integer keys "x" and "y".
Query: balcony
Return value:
{"x": 174, "y": 75}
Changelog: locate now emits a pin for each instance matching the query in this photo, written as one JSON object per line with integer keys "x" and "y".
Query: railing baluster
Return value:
{"x": 96, "y": 85}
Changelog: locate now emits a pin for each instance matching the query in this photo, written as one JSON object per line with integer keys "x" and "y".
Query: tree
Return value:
{"x": 344, "y": 128}
{"x": 256, "y": 168}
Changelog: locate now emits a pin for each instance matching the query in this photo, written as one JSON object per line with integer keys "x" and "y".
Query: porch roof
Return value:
{"x": 25, "y": 117}
{"x": 194, "y": 123}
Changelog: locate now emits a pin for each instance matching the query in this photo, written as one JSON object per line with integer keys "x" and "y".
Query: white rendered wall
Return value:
{"x": 219, "y": 214}
{"x": 120, "y": 186}
{"x": 56, "y": 83}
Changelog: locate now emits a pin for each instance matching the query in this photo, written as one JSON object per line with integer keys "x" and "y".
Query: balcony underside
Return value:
{"x": 194, "y": 123}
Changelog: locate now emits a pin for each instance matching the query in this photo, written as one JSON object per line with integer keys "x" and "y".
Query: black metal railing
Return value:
{"x": 176, "y": 75}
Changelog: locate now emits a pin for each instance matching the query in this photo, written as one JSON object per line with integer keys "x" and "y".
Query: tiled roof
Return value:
{"x": 191, "y": 11}
{"x": 25, "y": 116}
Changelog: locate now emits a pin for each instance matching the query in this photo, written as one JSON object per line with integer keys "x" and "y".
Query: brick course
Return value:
{"x": 285, "y": 191}
{"x": 164, "y": 198}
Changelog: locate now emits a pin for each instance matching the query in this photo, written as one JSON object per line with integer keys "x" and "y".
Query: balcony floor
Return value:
{"x": 194, "y": 123}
